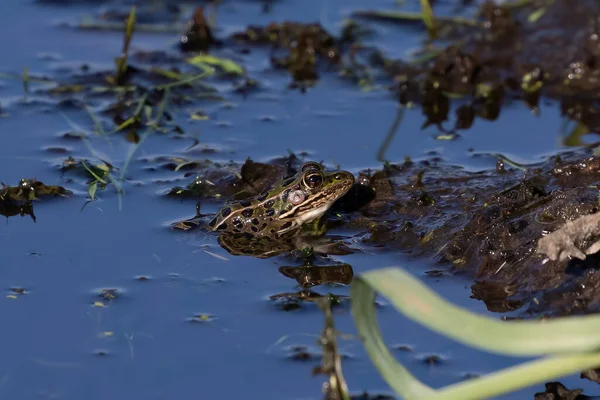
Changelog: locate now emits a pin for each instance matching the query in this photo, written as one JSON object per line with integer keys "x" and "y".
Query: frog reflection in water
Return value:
{"x": 263, "y": 226}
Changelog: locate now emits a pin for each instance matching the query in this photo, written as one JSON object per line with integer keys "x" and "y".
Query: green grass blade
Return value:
{"x": 99, "y": 130}
{"x": 414, "y": 299}
{"x": 519, "y": 338}
{"x": 363, "y": 311}
{"x": 428, "y": 19}
{"x": 518, "y": 377}
{"x": 186, "y": 81}
{"x": 227, "y": 66}
{"x": 26, "y": 79}
{"x": 92, "y": 190}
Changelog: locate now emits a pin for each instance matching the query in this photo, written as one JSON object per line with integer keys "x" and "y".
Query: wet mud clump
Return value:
{"x": 487, "y": 225}
{"x": 307, "y": 46}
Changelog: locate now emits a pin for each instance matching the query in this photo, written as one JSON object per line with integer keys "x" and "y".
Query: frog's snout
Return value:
{"x": 344, "y": 178}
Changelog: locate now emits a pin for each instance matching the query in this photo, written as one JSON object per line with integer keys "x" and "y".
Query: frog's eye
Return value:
{"x": 311, "y": 165}
{"x": 313, "y": 179}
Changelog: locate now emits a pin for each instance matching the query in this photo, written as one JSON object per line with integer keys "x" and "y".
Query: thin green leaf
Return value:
{"x": 428, "y": 17}
{"x": 510, "y": 162}
{"x": 92, "y": 189}
{"x": 162, "y": 106}
{"x": 121, "y": 61}
{"x": 536, "y": 15}
{"x": 186, "y": 81}
{"x": 227, "y": 66}
{"x": 128, "y": 122}
{"x": 97, "y": 125}
{"x": 26, "y": 79}
{"x": 99, "y": 179}
{"x": 575, "y": 137}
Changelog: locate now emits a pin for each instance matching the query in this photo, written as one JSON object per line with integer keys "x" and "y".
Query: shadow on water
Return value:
{"x": 107, "y": 301}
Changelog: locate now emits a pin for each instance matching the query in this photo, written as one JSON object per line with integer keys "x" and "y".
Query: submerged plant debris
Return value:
{"x": 336, "y": 387}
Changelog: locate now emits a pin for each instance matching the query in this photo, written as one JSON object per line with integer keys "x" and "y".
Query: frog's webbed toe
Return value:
{"x": 560, "y": 248}
{"x": 571, "y": 251}
{"x": 594, "y": 248}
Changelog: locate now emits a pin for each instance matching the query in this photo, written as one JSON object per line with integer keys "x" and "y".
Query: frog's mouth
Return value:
{"x": 318, "y": 205}
{"x": 313, "y": 214}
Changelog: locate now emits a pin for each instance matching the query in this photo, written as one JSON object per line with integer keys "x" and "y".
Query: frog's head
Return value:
{"x": 312, "y": 194}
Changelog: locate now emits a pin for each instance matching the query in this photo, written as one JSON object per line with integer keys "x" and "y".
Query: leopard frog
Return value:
{"x": 286, "y": 207}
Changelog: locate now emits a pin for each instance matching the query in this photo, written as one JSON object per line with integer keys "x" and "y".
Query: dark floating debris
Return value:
{"x": 302, "y": 353}
{"x": 202, "y": 318}
{"x": 13, "y": 292}
{"x": 310, "y": 275}
{"x": 101, "y": 353}
{"x": 431, "y": 359}
{"x": 106, "y": 296}
{"x": 370, "y": 396}
{"x": 558, "y": 391}
{"x": 293, "y": 301}
{"x": 198, "y": 35}
{"x": 308, "y": 46}
{"x": 591, "y": 374}
{"x": 403, "y": 347}
{"x": 17, "y": 200}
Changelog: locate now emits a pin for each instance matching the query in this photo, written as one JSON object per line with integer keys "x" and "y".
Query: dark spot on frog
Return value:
{"x": 254, "y": 229}
{"x": 287, "y": 182}
{"x": 212, "y": 223}
{"x": 245, "y": 203}
{"x": 225, "y": 212}
{"x": 238, "y": 223}
{"x": 247, "y": 212}
{"x": 285, "y": 195}
{"x": 222, "y": 226}
{"x": 270, "y": 204}
{"x": 255, "y": 221}
{"x": 272, "y": 230}
{"x": 263, "y": 226}
{"x": 286, "y": 225}
{"x": 270, "y": 212}
{"x": 263, "y": 197}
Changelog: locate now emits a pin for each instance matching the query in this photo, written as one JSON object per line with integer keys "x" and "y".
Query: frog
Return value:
{"x": 289, "y": 205}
